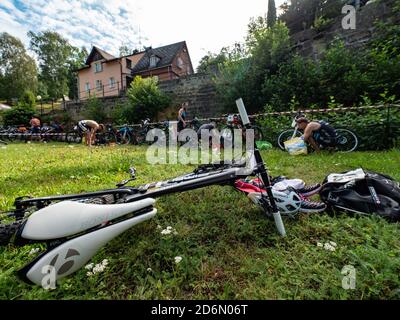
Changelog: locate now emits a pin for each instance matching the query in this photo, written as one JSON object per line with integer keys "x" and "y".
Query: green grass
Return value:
{"x": 229, "y": 249}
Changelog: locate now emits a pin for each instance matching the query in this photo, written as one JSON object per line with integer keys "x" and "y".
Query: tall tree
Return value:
{"x": 271, "y": 15}
{"x": 18, "y": 71}
{"x": 124, "y": 50}
{"x": 55, "y": 55}
{"x": 76, "y": 61}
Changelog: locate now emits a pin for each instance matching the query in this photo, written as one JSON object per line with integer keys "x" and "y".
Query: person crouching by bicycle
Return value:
{"x": 90, "y": 127}
{"x": 317, "y": 133}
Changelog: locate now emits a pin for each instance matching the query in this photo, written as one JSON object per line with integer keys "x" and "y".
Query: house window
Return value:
{"x": 98, "y": 67}
{"x": 99, "y": 85}
{"x": 128, "y": 64}
{"x": 179, "y": 63}
{"x": 112, "y": 82}
{"x": 87, "y": 86}
{"x": 153, "y": 61}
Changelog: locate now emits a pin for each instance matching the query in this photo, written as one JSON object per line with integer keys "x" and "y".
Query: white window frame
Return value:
{"x": 98, "y": 67}
{"x": 112, "y": 82}
{"x": 87, "y": 86}
{"x": 99, "y": 85}
{"x": 153, "y": 61}
{"x": 179, "y": 63}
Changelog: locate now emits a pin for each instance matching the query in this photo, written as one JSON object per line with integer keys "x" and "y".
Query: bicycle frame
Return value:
{"x": 75, "y": 231}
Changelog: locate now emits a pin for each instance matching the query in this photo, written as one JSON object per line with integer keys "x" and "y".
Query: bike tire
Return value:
{"x": 285, "y": 136}
{"x": 258, "y": 134}
{"x": 347, "y": 141}
{"x": 7, "y": 231}
{"x": 73, "y": 137}
{"x": 125, "y": 138}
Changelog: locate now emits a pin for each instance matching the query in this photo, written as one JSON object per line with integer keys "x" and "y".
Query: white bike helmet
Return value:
{"x": 288, "y": 202}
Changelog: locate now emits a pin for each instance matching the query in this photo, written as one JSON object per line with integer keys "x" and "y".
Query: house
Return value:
{"x": 105, "y": 75}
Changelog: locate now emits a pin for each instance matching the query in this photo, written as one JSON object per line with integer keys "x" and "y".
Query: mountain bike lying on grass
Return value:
{"x": 345, "y": 140}
{"x": 74, "y": 227}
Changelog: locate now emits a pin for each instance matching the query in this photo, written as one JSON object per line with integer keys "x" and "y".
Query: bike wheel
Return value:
{"x": 347, "y": 141}
{"x": 7, "y": 231}
{"x": 258, "y": 135}
{"x": 285, "y": 136}
{"x": 125, "y": 138}
{"x": 140, "y": 138}
{"x": 73, "y": 137}
{"x": 109, "y": 137}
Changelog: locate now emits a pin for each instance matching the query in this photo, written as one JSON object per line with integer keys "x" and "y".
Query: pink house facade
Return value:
{"x": 105, "y": 75}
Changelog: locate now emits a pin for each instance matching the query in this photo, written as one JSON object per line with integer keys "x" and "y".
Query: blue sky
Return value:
{"x": 206, "y": 25}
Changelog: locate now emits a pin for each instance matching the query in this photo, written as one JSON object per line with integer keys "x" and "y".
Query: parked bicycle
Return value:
{"x": 101, "y": 138}
{"x": 232, "y": 122}
{"x": 345, "y": 140}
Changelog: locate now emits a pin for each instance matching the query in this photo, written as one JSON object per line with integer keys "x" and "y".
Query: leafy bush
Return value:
{"x": 19, "y": 115}
{"x": 145, "y": 100}
{"x": 28, "y": 99}
{"x": 95, "y": 110}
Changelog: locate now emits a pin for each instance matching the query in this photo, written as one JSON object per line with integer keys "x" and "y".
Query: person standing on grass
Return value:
{"x": 90, "y": 127}
{"x": 182, "y": 116}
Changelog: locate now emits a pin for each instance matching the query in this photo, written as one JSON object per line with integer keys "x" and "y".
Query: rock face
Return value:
{"x": 312, "y": 42}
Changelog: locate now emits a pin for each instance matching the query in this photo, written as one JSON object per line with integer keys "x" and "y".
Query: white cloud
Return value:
{"x": 206, "y": 25}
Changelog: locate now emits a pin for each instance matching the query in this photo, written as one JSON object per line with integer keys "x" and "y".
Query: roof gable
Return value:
{"x": 98, "y": 54}
{"x": 166, "y": 54}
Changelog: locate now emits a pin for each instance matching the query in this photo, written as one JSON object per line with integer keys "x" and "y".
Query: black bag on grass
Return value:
{"x": 364, "y": 192}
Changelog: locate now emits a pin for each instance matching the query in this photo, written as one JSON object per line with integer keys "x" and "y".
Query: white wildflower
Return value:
{"x": 165, "y": 232}
{"x": 89, "y": 266}
{"x": 169, "y": 230}
{"x": 319, "y": 244}
{"x": 334, "y": 244}
{"x": 98, "y": 268}
{"x": 178, "y": 259}
{"x": 329, "y": 247}
{"x": 149, "y": 269}
{"x": 33, "y": 251}
{"x": 159, "y": 227}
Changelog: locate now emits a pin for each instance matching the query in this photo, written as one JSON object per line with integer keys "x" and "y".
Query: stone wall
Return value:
{"x": 198, "y": 89}
{"x": 76, "y": 109}
{"x": 312, "y": 42}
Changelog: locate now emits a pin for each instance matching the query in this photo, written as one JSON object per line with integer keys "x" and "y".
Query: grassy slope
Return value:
{"x": 229, "y": 250}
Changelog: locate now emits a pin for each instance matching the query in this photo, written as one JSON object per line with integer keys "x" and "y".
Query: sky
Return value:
{"x": 206, "y": 25}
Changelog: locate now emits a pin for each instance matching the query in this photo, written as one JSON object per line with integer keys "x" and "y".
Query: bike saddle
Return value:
{"x": 68, "y": 218}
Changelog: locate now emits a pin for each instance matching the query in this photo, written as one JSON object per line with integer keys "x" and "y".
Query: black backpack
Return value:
{"x": 375, "y": 194}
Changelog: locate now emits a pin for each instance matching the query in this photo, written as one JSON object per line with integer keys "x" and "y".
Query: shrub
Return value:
{"x": 19, "y": 115}
{"x": 95, "y": 110}
{"x": 145, "y": 100}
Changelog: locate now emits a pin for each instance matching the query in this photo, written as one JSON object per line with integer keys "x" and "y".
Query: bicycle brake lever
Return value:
{"x": 124, "y": 182}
